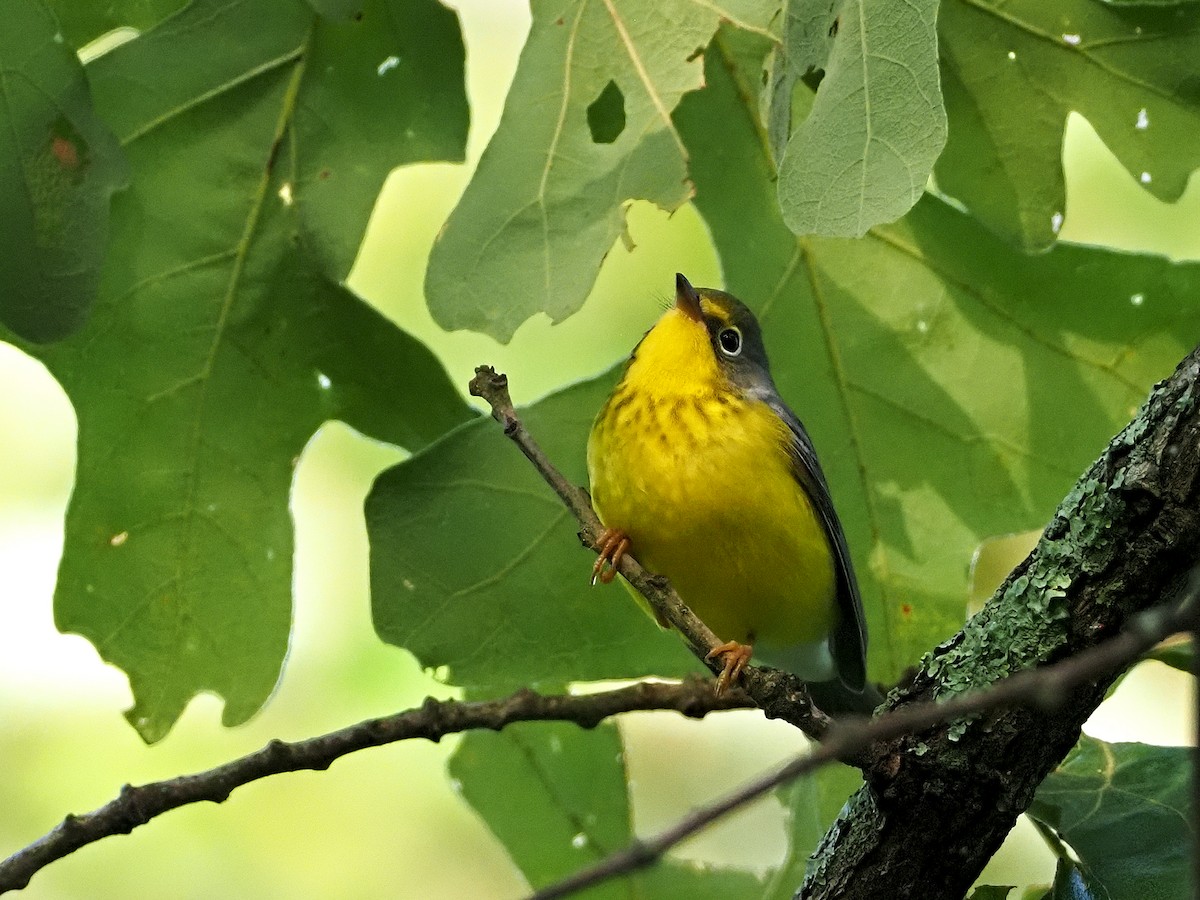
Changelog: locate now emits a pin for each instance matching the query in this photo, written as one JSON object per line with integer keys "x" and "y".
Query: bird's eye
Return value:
{"x": 730, "y": 340}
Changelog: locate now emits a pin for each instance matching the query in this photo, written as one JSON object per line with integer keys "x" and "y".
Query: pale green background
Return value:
{"x": 386, "y": 822}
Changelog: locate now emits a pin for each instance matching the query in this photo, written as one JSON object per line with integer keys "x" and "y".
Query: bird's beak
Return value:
{"x": 687, "y": 301}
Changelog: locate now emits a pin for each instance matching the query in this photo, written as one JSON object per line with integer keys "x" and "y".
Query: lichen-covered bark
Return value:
{"x": 937, "y": 805}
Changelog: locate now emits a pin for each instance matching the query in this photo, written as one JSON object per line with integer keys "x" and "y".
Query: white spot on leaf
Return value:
{"x": 387, "y": 65}
{"x": 118, "y": 539}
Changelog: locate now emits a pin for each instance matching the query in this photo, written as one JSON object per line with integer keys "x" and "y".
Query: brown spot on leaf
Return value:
{"x": 65, "y": 152}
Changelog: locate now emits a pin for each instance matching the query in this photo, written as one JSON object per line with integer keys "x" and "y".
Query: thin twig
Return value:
{"x": 138, "y": 805}
{"x": 780, "y": 694}
{"x": 1047, "y": 687}
{"x": 492, "y": 386}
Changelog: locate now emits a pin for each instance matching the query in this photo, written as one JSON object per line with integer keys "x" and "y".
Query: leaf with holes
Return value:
{"x": 1124, "y": 809}
{"x": 586, "y": 128}
{"x": 59, "y": 166}
{"x": 222, "y": 338}
{"x": 863, "y": 155}
{"x": 1131, "y": 69}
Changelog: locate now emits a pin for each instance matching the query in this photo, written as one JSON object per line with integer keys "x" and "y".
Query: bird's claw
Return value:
{"x": 737, "y": 657}
{"x": 613, "y": 546}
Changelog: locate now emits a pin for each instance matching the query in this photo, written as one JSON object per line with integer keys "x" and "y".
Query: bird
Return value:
{"x": 701, "y": 471}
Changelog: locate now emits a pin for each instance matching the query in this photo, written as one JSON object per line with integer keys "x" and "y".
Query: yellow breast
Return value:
{"x": 700, "y": 480}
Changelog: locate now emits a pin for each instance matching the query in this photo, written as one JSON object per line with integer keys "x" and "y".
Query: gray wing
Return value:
{"x": 848, "y": 642}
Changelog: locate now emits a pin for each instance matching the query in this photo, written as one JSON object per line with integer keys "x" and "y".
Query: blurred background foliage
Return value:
{"x": 390, "y": 822}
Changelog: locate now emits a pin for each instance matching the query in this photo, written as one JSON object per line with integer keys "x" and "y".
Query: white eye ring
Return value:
{"x": 729, "y": 339}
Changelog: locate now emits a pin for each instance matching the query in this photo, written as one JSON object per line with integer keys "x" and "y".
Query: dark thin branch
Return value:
{"x": 1045, "y": 688}
{"x": 781, "y": 695}
{"x": 435, "y": 718}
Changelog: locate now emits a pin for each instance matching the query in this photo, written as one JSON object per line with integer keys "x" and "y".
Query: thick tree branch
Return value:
{"x": 780, "y": 695}
{"x": 1046, "y": 688}
{"x": 138, "y": 805}
{"x": 942, "y": 799}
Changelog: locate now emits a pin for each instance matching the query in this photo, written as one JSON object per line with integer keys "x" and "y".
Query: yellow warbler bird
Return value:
{"x": 700, "y": 470}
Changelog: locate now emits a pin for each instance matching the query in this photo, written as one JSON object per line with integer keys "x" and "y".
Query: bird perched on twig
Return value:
{"x": 700, "y": 470}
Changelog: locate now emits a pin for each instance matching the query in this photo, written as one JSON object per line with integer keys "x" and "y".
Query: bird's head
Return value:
{"x": 707, "y": 340}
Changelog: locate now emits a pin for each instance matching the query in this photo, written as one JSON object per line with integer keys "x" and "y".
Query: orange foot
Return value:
{"x": 737, "y": 657}
{"x": 613, "y": 545}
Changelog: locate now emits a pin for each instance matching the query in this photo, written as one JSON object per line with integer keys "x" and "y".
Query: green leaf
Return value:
{"x": 954, "y": 387}
{"x": 809, "y": 30}
{"x": 507, "y": 602}
{"x": 59, "y": 167}
{"x": 992, "y": 892}
{"x": 555, "y": 796}
{"x": 548, "y": 200}
{"x": 222, "y": 339}
{"x": 1176, "y": 653}
{"x": 84, "y": 22}
{"x": 1125, "y": 811}
{"x": 865, "y": 152}
{"x": 812, "y": 803}
{"x": 1132, "y": 70}
{"x": 382, "y": 90}
{"x": 336, "y": 9}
